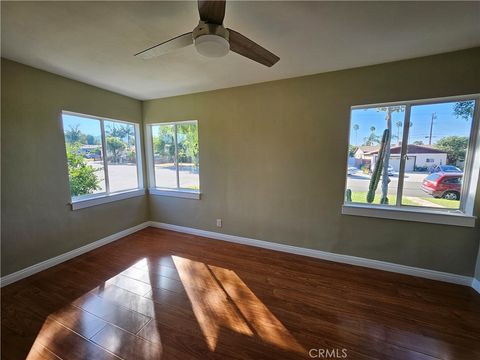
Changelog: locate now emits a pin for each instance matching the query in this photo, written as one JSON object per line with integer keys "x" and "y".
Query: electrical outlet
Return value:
{"x": 219, "y": 222}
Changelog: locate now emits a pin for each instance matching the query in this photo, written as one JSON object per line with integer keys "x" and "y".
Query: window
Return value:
{"x": 103, "y": 158}
{"x": 425, "y": 154}
{"x": 174, "y": 159}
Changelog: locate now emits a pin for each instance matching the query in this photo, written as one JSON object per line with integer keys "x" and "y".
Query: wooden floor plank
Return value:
{"x": 111, "y": 312}
{"x": 127, "y": 345}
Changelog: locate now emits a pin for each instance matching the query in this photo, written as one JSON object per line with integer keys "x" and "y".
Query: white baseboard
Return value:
{"x": 346, "y": 259}
{"x": 21, "y": 274}
{"x": 476, "y": 285}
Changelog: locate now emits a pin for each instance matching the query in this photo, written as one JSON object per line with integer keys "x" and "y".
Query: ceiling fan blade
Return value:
{"x": 167, "y": 46}
{"x": 246, "y": 47}
{"x": 212, "y": 12}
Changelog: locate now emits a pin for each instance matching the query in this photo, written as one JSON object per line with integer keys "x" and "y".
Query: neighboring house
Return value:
{"x": 364, "y": 149}
{"x": 361, "y": 155}
{"x": 418, "y": 156}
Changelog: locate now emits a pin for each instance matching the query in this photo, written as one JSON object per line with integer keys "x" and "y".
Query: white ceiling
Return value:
{"x": 94, "y": 42}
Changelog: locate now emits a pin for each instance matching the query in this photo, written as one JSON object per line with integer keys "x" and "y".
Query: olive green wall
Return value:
{"x": 272, "y": 163}
{"x": 477, "y": 269}
{"x": 37, "y": 223}
{"x": 273, "y": 156}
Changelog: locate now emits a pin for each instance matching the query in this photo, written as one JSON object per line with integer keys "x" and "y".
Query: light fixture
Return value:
{"x": 212, "y": 45}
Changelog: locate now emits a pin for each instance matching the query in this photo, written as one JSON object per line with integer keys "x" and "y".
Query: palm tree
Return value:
{"x": 355, "y": 128}
{"x": 398, "y": 124}
{"x": 371, "y": 139}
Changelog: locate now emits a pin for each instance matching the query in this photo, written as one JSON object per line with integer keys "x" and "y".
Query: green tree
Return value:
{"x": 189, "y": 146}
{"x": 73, "y": 134}
{"x": 351, "y": 150}
{"x": 464, "y": 109}
{"x": 418, "y": 142}
{"x": 83, "y": 179}
{"x": 90, "y": 139}
{"x": 128, "y": 131}
{"x": 115, "y": 146}
{"x": 454, "y": 146}
{"x": 116, "y": 131}
{"x": 163, "y": 142}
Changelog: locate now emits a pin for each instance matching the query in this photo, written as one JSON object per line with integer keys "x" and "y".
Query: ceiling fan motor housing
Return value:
{"x": 211, "y": 40}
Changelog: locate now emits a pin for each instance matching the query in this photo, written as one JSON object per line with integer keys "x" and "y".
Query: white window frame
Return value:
{"x": 89, "y": 200}
{"x": 153, "y": 189}
{"x": 461, "y": 217}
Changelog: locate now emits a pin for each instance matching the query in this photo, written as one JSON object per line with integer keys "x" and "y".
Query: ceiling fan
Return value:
{"x": 212, "y": 39}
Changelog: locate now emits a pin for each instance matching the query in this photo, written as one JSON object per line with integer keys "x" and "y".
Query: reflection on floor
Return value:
{"x": 159, "y": 294}
{"x": 216, "y": 293}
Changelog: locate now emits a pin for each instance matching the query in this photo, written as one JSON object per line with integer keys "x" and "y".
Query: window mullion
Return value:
{"x": 467, "y": 191}
{"x": 176, "y": 156}
{"x": 104, "y": 150}
{"x": 403, "y": 154}
{"x": 138, "y": 156}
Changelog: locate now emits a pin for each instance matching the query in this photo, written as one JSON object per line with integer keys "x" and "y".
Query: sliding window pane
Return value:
{"x": 366, "y": 132}
{"x": 163, "y": 138}
{"x": 188, "y": 166}
{"x": 437, "y": 148}
{"x": 121, "y": 156}
{"x": 83, "y": 142}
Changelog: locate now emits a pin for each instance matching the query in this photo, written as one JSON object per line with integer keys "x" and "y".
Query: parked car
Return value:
{"x": 445, "y": 169}
{"x": 351, "y": 170}
{"x": 443, "y": 185}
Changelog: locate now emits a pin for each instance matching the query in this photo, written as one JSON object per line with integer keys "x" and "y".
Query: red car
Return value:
{"x": 443, "y": 185}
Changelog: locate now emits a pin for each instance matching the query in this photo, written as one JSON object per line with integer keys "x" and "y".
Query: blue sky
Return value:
{"x": 87, "y": 126}
{"x": 444, "y": 125}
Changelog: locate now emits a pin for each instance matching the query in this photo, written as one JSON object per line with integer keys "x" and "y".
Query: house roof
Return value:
{"x": 411, "y": 149}
{"x": 367, "y": 148}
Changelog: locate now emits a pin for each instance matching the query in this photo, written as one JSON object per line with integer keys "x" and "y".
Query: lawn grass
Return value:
{"x": 361, "y": 197}
{"x": 451, "y": 204}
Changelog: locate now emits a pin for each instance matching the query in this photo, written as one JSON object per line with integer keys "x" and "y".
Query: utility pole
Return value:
{"x": 434, "y": 116}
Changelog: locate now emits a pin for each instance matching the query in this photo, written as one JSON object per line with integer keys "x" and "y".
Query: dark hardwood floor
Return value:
{"x": 160, "y": 294}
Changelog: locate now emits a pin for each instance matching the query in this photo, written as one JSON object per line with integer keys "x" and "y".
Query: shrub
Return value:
{"x": 81, "y": 175}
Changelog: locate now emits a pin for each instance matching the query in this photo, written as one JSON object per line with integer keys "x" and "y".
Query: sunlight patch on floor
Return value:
{"x": 259, "y": 317}
{"x": 221, "y": 299}
{"x": 209, "y": 302}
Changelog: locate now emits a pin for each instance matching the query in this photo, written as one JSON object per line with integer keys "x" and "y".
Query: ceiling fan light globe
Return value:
{"x": 212, "y": 45}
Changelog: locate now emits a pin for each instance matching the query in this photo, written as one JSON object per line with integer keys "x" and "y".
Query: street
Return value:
{"x": 359, "y": 182}
{"x": 124, "y": 176}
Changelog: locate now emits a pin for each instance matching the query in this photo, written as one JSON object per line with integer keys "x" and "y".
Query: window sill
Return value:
{"x": 444, "y": 217}
{"x": 186, "y": 194}
{"x": 103, "y": 199}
